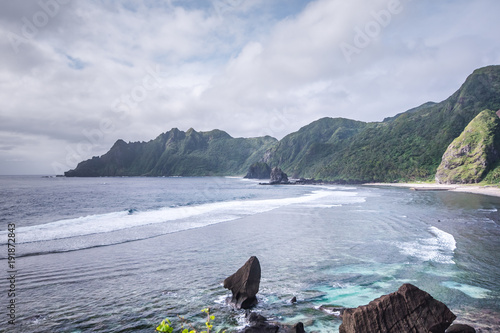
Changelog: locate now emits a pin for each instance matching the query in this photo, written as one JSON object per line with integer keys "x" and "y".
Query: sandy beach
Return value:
{"x": 490, "y": 190}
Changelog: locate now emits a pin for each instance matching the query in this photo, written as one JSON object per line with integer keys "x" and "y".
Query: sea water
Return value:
{"x": 121, "y": 254}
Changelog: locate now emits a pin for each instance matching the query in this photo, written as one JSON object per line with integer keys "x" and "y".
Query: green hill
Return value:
{"x": 177, "y": 153}
{"x": 305, "y": 152}
{"x": 406, "y": 147}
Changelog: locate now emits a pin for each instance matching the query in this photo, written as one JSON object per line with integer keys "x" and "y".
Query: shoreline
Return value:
{"x": 490, "y": 190}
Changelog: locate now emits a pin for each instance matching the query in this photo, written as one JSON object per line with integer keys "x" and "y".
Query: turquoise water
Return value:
{"x": 120, "y": 254}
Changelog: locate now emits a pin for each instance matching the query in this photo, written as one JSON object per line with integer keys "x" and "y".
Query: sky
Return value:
{"x": 75, "y": 76}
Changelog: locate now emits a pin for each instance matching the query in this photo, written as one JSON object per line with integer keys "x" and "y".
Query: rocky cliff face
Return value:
{"x": 470, "y": 156}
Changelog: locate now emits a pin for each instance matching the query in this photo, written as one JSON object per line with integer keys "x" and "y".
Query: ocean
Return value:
{"x": 122, "y": 254}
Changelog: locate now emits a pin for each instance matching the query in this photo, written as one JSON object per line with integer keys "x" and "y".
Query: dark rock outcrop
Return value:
{"x": 278, "y": 177}
{"x": 259, "y": 170}
{"x": 298, "y": 328}
{"x": 407, "y": 310}
{"x": 460, "y": 328}
{"x": 244, "y": 284}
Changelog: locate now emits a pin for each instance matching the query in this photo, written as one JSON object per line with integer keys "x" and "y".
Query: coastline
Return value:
{"x": 490, "y": 190}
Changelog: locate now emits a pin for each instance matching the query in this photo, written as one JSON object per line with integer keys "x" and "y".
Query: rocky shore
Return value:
{"x": 407, "y": 310}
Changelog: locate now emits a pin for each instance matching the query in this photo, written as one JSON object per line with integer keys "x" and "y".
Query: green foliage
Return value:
{"x": 166, "y": 324}
{"x": 470, "y": 156}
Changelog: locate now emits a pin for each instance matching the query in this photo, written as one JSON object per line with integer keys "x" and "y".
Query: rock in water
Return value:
{"x": 244, "y": 284}
{"x": 259, "y": 170}
{"x": 298, "y": 328}
{"x": 259, "y": 324}
{"x": 407, "y": 310}
{"x": 278, "y": 176}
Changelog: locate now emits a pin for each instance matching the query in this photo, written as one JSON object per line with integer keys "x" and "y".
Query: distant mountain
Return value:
{"x": 177, "y": 153}
{"x": 405, "y": 147}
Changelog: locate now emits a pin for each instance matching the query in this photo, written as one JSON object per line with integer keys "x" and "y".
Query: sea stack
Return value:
{"x": 244, "y": 284}
{"x": 278, "y": 177}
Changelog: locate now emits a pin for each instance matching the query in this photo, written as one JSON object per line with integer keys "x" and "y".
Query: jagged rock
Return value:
{"x": 407, "y": 310}
{"x": 259, "y": 170}
{"x": 278, "y": 176}
{"x": 460, "y": 328}
{"x": 244, "y": 284}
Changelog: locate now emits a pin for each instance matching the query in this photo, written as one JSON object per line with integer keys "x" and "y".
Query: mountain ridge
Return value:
{"x": 407, "y": 146}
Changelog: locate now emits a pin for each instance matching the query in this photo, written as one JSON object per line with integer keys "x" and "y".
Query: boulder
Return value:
{"x": 244, "y": 284}
{"x": 278, "y": 176}
{"x": 407, "y": 310}
{"x": 259, "y": 170}
{"x": 460, "y": 328}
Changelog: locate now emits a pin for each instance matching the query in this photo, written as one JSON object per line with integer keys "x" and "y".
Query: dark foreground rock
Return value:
{"x": 278, "y": 177}
{"x": 244, "y": 284}
{"x": 259, "y": 170}
{"x": 460, "y": 328}
{"x": 407, "y": 310}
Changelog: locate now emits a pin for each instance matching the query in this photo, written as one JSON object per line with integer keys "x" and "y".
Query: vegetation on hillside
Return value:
{"x": 178, "y": 153}
{"x": 406, "y": 147}
{"x": 470, "y": 156}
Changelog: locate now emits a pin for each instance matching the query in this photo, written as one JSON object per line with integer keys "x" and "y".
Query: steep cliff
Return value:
{"x": 470, "y": 156}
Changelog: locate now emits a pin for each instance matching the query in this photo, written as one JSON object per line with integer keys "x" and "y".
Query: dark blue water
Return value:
{"x": 121, "y": 254}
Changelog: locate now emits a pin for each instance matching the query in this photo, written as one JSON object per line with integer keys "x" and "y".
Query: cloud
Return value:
{"x": 96, "y": 71}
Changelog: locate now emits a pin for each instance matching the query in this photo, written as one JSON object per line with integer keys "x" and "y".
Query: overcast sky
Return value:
{"x": 76, "y": 76}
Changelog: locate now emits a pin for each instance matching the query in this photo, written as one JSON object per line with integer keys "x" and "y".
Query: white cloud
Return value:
{"x": 248, "y": 67}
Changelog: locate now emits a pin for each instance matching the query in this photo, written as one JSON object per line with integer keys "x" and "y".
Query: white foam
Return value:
{"x": 488, "y": 210}
{"x": 439, "y": 248}
{"x": 179, "y": 218}
{"x": 323, "y": 205}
